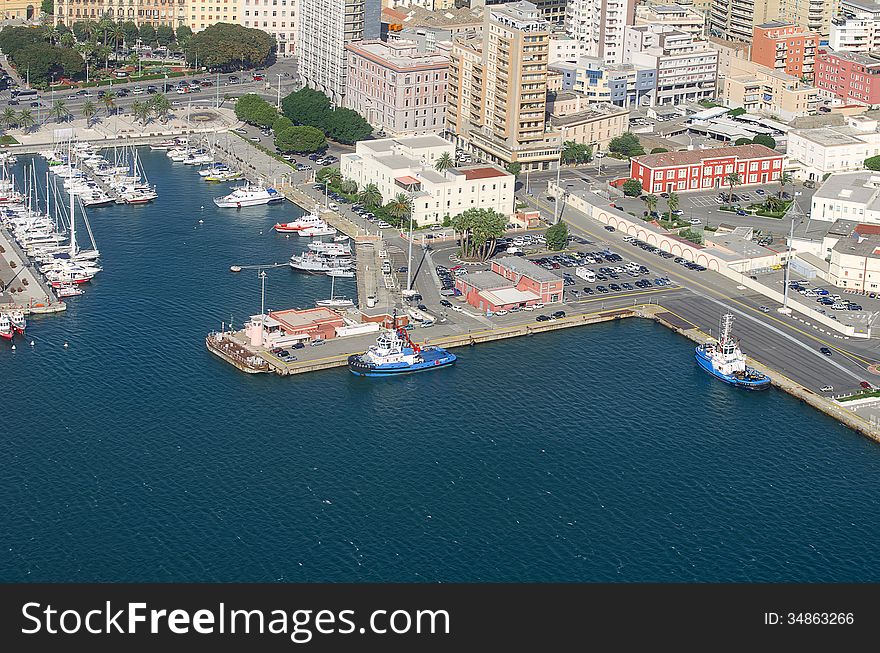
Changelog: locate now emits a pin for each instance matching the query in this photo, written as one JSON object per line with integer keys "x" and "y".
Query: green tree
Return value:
{"x": 50, "y": 33}
{"x": 873, "y": 163}
{"x": 141, "y": 111}
{"x": 444, "y": 162}
{"x": 514, "y": 168}
{"x": 183, "y": 34}
{"x": 104, "y": 53}
{"x": 281, "y": 122}
{"x": 557, "y": 236}
{"x": 774, "y": 204}
{"x": 254, "y": 110}
{"x": 59, "y": 111}
{"x": 306, "y": 107}
{"x": 764, "y": 139}
{"x": 651, "y": 203}
{"x": 67, "y": 40}
{"x": 626, "y": 144}
{"x": 348, "y": 186}
{"x": 632, "y": 188}
{"x": 399, "y": 207}
{"x": 300, "y": 139}
{"x": 164, "y": 34}
{"x": 659, "y": 150}
{"x": 226, "y": 44}
{"x": 88, "y": 111}
{"x": 478, "y": 230}
{"x": 48, "y": 7}
{"x": 785, "y": 179}
{"x": 26, "y": 49}
{"x": 26, "y": 119}
{"x": 147, "y": 33}
{"x": 159, "y": 105}
{"x": 733, "y": 179}
{"x": 9, "y": 118}
{"x": 109, "y": 101}
{"x": 742, "y": 141}
{"x": 130, "y": 31}
{"x": 347, "y": 126}
{"x": 736, "y": 112}
{"x": 573, "y": 152}
{"x": 330, "y": 172}
{"x": 370, "y": 196}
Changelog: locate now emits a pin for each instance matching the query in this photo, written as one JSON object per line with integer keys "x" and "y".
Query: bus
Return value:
{"x": 24, "y": 92}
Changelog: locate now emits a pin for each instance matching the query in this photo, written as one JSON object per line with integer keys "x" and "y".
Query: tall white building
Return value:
{"x": 277, "y": 17}
{"x": 857, "y": 27}
{"x": 325, "y": 28}
{"x": 600, "y": 24}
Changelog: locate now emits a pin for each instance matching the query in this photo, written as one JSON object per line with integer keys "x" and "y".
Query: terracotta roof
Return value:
{"x": 868, "y": 229}
{"x": 393, "y": 15}
{"x": 482, "y": 173}
{"x": 689, "y": 157}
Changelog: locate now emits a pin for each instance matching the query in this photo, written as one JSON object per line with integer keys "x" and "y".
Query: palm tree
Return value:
{"x": 159, "y": 105}
{"x": 9, "y": 118}
{"x": 88, "y": 111}
{"x": 59, "y": 110}
{"x": 399, "y": 207}
{"x": 51, "y": 34}
{"x": 68, "y": 39}
{"x": 651, "y": 203}
{"x": 784, "y": 180}
{"x": 104, "y": 26}
{"x": 370, "y": 196}
{"x": 109, "y": 101}
{"x": 733, "y": 179}
{"x": 117, "y": 34}
{"x": 140, "y": 111}
{"x": 104, "y": 52}
{"x": 26, "y": 119}
{"x": 672, "y": 203}
{"x": 348, "y": 186}
{"x": 444, "y": 162}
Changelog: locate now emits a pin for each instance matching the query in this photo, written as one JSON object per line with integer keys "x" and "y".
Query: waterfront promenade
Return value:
{"x": 21, "y": 286}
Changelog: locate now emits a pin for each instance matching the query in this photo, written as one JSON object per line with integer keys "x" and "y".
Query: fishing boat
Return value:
{"x": 6, "y": 330}
{"x": 304, "y": 222}
{"x": 317, "y": 264}
{"x": 248, "y": 195}
{"x": 724, "y": 360}
{"x": 394, "y": 353}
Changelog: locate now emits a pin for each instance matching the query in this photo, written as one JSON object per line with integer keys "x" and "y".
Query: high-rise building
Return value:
{"x": 141, "y": 12}
{"x": 276, "y": 17}
{"x": 736, "y": 19}
{"x": 857, "y": 27}
{"x": 786, "y": 47}
{"x": 600, "y": 24}
{"x": 681, "y": 17}
{"x": 498, "y": 89}
{"x": 325, "y": 28}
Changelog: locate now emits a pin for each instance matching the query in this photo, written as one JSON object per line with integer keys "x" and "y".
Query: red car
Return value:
{"x": 258, "y": 78}
{"x": 865, "y": 385}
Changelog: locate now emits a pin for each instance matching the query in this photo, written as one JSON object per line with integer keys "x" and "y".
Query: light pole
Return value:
{"x": 326, "y": 188}
{"x": 217, "y": 90}
{"x": 785, "y": 308}
{"x": 409, "y": 256}
{"x": 278, "y": 103}
{"x": 262, "y": 305}
{"x": 558, "y": 190}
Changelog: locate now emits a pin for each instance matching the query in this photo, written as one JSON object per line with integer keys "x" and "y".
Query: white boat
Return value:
{"x": 316, "y": 264}
{"x": 68, "y": 290}
{"x": 341, "y": 238}
{"x": 198, "y": 159}
{"x": 248, "y": 195}
{"x": 330, "y": 249}
{"x": 303, "y": 222}
{"x": 213, "y": 169}
{"x": 326, "y": 230}
{"x": 344, "y": 273}
{"x": 334, "y": 302}
{"x": 6, "y": 330}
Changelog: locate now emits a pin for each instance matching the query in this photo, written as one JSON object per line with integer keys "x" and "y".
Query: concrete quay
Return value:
{"x": 21, "y": 287}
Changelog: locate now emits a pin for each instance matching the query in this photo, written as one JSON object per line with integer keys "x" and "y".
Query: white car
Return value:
{"x": 538, "y": 305}
{"x": 498, "y": 312}
{"x": 528, "y": 308}
{"x": 138, "y": 90}
{"x": 695, "y": 221}
{"x": 436, "y": 227}
{"x": 383, "y": 225}
{"x": 459, "y": 309}
{"x": 827, "y": 388}
{"x": 333, "y": 206}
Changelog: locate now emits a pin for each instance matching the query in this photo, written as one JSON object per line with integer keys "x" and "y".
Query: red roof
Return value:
{"x": 690, "y": 157}
{"x": 867, "y": 229}
{"x": 482, "y": 173}
{"x": 407, "y": 181}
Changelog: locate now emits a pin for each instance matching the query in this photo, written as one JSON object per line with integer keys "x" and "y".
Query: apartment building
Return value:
{"x": 153, "y": 12}
{"x": 623, "y": 85}
{"x": 396, "y": 87}
{"x": 856, "y": 27}
{"x": 785, "y": 47}
{"x": 277, "y": 17}
{"x": 848, "y": 77}
{"x": 677, "y": 16}
{"x": 498, "y": 86}
{"x": 759, "y": 89}
{"x": 593, "y": 124}
{"x": 407, "y": 165}
{"x": 834, "y": 149}
{"x": 600, "y": 24}
{"x": 736, "y": 19}
{"x": 204, "y": 13}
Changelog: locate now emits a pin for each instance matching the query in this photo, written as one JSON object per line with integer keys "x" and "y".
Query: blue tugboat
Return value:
{"x": 725, "y": 361}
{"x": 394, "y": 353}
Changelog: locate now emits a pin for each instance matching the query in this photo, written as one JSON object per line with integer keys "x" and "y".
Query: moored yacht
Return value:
{"x": 248, "y": 195}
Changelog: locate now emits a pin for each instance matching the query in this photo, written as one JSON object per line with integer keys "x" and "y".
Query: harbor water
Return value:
{"x": 601, "y": 453}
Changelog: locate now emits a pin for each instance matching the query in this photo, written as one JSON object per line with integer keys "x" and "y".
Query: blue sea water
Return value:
{"x": 596, "y": 454}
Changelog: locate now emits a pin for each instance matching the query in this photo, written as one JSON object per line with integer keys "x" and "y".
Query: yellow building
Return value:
{"x": 20, "y": 9}
{"x": 153, "y": 12}
{"x": 759, "y": 89}
{"x": 204, "y": 13}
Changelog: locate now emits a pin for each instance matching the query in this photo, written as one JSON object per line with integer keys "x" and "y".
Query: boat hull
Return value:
{"x": 747, "y": 384}
{"x": 434, "y": 359}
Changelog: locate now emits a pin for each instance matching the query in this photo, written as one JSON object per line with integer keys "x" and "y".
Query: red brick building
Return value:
{"x": 786, "y": 47}
{"x": 851, "y": 77}
{"x": 696, "y": 170}
{"x": 512, "y": 282}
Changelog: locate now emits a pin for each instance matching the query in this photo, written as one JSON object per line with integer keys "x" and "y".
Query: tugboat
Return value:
{"x": 394, "y": 353}
{"x": 724, "y": 360}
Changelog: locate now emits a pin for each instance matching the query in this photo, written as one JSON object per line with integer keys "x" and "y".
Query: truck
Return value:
{"x": 586, "y": 274}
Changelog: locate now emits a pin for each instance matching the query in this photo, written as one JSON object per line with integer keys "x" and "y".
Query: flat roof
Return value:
{"x": 868, "y": 247}
{"x": 483, "y": 172}
{"x": 485, "y": 280}
{"x": 296, "y": 319}
{"x": 504, "y": 296}
{"x": 396, "y": 161}
{"x": 830, "y": 136}
{"x": 861, "y": 187}
{"x": 526, "y": 267}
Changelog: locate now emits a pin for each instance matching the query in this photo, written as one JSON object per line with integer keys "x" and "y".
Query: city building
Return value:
{"x": 730, "y": 53}
{"x": 498, "y": 89}
{"x": 695, "y": 170}
{"x": 848, "y": 77}
{"x": 512, "y": 282}
{"x": 407, "y": 165}
{"x": 680, "y": 17}
{"x": 276, "y": 17}
{"x": 553, "y": 11}
{"x": 856, "y": 27}
{"x": 833, "y": 149}
{"x": 593, "y": 124}
{"x": 624, "y": 85}
{"x": 848, "y": 196}
{"x": 600, "y": 24}
{"x": 416, "y": 23}
{"x": 325, "y": 28}
{"x": 19, "y": 10}
{"x": 565, "y": 48}
{"x": 736, "y": 19}
{"x": 762, "y": 90}
{"x": 396, "y": 87}
{"x": 855, "y": 260}
{"x": 141, "y": 12}
{"x": 785, "y": 47}
{"x": 686, "y": 69}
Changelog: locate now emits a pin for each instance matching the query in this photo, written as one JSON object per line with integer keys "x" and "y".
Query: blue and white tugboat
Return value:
{"x": 394, "y": 353}
{"x": 725, "y": 361}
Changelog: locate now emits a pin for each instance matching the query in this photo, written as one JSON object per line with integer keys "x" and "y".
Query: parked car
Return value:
{"x": 866, "y": 385}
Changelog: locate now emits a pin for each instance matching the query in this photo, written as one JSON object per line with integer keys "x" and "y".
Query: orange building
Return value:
{"x": 785, "y": 47}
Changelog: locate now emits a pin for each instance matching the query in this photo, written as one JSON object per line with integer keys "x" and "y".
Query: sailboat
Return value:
{"x": 334, "y": 302}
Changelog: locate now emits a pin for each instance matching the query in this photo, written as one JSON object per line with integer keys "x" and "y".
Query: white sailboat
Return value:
{"x": 334, "y": 302}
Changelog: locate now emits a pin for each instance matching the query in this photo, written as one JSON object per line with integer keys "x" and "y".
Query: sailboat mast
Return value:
{"x": 72, "y": 221}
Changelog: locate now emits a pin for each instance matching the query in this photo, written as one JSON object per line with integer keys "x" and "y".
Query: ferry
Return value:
{"x": 248, "y": 195}
{"x": 394, "y": 353}
{"x": 724, "y": 360}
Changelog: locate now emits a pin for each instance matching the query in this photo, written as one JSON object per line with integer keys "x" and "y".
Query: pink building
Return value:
{"x": 851, "y": 77}
{"x": 512, "y": 282}
{"x": 397, "y": 88}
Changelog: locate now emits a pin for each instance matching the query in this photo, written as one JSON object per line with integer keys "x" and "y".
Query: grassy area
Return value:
{"x": 6, "y": 139}
{"x": 708, "y": 104}
{"x": 862, "y": 395}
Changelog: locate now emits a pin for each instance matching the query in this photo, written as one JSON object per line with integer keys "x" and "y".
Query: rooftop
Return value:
{"x": 419, "y": 16}
{"x": 868, "y": 247}
{"x": 862, "y": 4}
{"x": 526, "y": 267}
{"x": 857, "y": 57}
{"x": 398, "y": 54}
{"x": 294, "y": 319}
{"x": 666, "y": 159}
{"x": 830, "y": 136}
{"x": 862, "y": 187}
{"x": 482, "y": 172}
{"x": 486, "y": 280}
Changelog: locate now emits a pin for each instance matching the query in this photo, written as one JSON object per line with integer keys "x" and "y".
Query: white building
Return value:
{"x": 565, "y": 48}
{"x": 834, "y": 149}
{"x": 600, "y": 25}
{"x": 684, "y": 19}
{"x": 277, "y": 17}
{"x": 856, "y": 27}
{"x": 406, "y": 165}
{"x": 687, "y": 69}
{"x": 325, "y": 28}
{"x": 848, "y": 196}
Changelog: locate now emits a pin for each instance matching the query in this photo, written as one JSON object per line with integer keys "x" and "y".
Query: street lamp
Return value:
{"x": 278, "y": 103}
{"x": 409, "y": 256}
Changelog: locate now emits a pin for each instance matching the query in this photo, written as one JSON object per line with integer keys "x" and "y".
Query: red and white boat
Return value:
{"x": 19, "y": 323}
{"x": 67, "y": 276}
{"x": 305, "y": 222}
{"x": 6, "y": 330}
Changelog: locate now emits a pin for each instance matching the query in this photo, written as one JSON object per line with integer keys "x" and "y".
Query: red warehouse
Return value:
{"x": 695, "y": 170}
{"x": 512, "y": 282}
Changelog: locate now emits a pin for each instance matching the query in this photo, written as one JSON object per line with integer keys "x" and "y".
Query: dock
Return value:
{"x": 21, "y": 286}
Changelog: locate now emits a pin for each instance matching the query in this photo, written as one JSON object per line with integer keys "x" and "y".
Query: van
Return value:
{"x": 586, "y": 274}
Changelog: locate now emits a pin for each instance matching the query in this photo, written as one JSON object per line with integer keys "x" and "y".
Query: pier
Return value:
{"x": 21, "y": 287}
